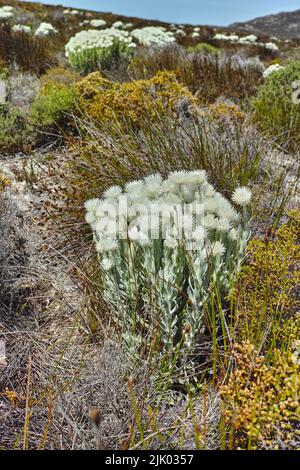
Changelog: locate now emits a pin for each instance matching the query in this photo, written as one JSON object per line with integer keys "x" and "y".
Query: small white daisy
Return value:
{"x": 242, "y": 196}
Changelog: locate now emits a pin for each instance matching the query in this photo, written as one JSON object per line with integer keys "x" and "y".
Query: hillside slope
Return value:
{"x": 286, "y": 24}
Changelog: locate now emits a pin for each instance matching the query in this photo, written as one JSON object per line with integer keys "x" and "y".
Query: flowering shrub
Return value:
{"x": 45, "y": 29}
{"x": 104, "y": 100}
{"x": 97, "y": 23}
{"x": 271, "y": 69}
{"x": 162, "y": 246}
{"x": 21, "y": 28}
{"x": 92, "y": 49}
{"x": 251, "y": 39}
{"x": 276, "y": 112}
{"x": 271, "y": 46}
{"x": 6, "y": 13}
{"x": 153, "y": 36}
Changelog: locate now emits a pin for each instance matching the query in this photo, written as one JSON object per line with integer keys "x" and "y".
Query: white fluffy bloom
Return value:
{"x": 271, "y": 46}
{"x": 195, "y": 35}
{"x": 113, "y": 192}
{"x": 153, "y": 36}
{"x": 21, "y": 28}
{"x": 45, "y": 29}
{"x": 223, "y": 224}
{"x": 242, "y": 196}
{"x": 97, "y": 23}
{"x": 106, "y": 245}
{"x": 106, "y": 264}
{"x": 92, "y": 204}
{"x": 7, "y": 8}
{"x": 217, "y": 249}
{"x": 224, "y": 37}
{"x": 6, "y": 13}
{"x": 95, "y": 39}
{"x": 271, "y": 69}
{"x": 118, "y": 24}
{"x": 251, "y": 39}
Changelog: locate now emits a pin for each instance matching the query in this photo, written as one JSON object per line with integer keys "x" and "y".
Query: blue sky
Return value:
{"x": 217, "y": 12}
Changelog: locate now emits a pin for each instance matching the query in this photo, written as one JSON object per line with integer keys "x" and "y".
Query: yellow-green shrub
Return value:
{"x": 52, "y": 103}
{"x": 261, "y": 402}
{"x": 102, "y": 99}
{"x": 266, "y": 297}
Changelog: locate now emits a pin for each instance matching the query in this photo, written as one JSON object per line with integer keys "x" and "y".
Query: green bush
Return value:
{"x": 205, "y": 48}
{"x": 52, "y": 103}
{"x": 274, "y": 109}
{"x": 14, "y": 130}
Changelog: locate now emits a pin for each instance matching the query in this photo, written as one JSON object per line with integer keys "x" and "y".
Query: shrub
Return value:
{"x": 59, "y": 75}
{"x": 208, "y": 75}
{"x": 91, "y": 50}
{"x": 52, "y": 103}
{"x": 162, "y": 257}
{"x": 153, "y": 36}
{"x": 274, "y": 108}
{"x": 261, "y": 405}
{"x": 14, "y": 130}
{"x": 204, "y": 48}
{"x": 28, "y": 52}
{"x": 101, "y": 99}
{"x": 267, "y": 294}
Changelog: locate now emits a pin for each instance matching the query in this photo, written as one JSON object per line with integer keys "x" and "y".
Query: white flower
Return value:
{"x": 251, "y": 39}
{"x": 242, "y": 196}
{"x": 5, "y": 14}
{"x": 97, "y": 23}
{"x": 134, "y": 187}
{"x": 271, "y": 69}
{"x": 106, "y": 245}
{"x": 233, "y": 234}
{"x": 223, "y": 225}
{"x": 217, "y": 249}
{"x": 209, "y": 221}
{"x": 224, "y": 37}
{"x": 271, "y": 46}
{"x": 92, "y": 204}
{"x": 114, "y": 192}
{"x": 106, "y": 264}
{"x": 7, "y": 8}
{"x": 21, "y": 28}
{"x": 199, "y": 234}
{"x": 118, "y": 24}
{"x": 171, "y": 243}
{"x": 153, "y": 36}
{"x": 45, "y": 29}
{"x": 195, "y": 35}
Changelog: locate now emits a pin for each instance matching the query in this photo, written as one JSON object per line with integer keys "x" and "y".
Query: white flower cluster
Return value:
{"x": 224, "y": 37}
{"x": 97, "y": 23}
{"x": 94, "y": 39}
{"x": 153, "y": 36}
{"x": 93, "y": 46}
{"x": 21, "y": 28}
{"x": 271, "y": 46}
{"x": 251, "y": 39}
{"x": 272, "y": 69}
{"x": 6, "y": 12}
{"x": 158, "y": 239}
{"x": 118, "y": 24}
{"x": 45, "y": 29}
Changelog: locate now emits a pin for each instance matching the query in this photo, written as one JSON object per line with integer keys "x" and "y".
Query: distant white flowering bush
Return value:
{"x": 224, "y": 37}
{"x": 97, "y": 23}
{"x": 162, "y": 246}
{"x": 118, "y": 24}
{"x": 6, "y": 13}
{"x": 45, "y": 29}
{"x": 195, "y": 34}
{"x": 271, "y": 46}
{"x": 271, "y": 69}
{"x": 251, "y": 39}
{"x": 92, "y": 49}
{"x": 153, "y": 36}
{"x": 21, "y": 28}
